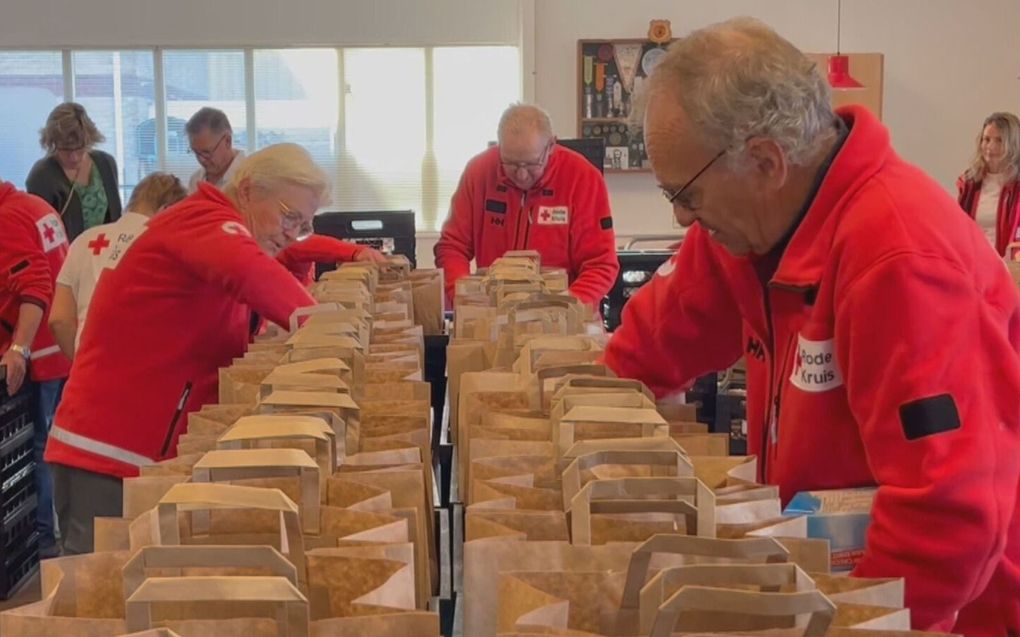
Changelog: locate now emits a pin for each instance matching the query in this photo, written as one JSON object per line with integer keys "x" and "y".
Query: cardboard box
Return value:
{"x": 841, "y": 516}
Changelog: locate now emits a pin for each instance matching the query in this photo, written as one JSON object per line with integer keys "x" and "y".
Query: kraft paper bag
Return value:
{"x": 608, "y": 464}
{"x": 428, "y": 290}
{"x": 701, "y": 609}
{"x": 485, "y": 559}
{"x": 389, "y": 624}
{"x": 888, "y": 592}
{"x": 194, "y": 513}
{"x": 338, "y": 583}
{"x": 285, "y": 608}
{"x": 634, "y": 509}
{"x": 536, "y": 526}
{"x": 775, "y": 578}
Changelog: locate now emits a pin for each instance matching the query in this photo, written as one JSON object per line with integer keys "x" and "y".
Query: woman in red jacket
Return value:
{"x": 989, "y": 190}
{"x": 170, "y": 309}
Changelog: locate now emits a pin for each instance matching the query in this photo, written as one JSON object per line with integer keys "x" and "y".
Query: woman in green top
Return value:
{"x": 77, "y": 180}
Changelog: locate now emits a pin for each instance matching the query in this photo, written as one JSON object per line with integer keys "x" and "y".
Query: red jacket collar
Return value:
{"x": 864, "y": 152}
{"x": 214, "y": 194}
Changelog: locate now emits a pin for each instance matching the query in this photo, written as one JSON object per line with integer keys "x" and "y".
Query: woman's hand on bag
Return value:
{"x": 370, "y": 255}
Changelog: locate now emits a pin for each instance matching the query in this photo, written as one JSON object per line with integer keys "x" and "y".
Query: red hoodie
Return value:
{"x": 33, "y": 245}
{"x": 883, "y": 352}
{"x": 564, "y": 216}
{"x": 300, "y": 257}
{"x": 170, "y": 311}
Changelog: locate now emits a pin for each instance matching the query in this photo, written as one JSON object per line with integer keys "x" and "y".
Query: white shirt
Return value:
{"x": 88, "y": 255}
{"x": 198, "y": 176}
{"x": 988, "y": 204}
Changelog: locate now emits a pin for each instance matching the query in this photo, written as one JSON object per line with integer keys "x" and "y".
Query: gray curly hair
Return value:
{"x": 740, "y": 79}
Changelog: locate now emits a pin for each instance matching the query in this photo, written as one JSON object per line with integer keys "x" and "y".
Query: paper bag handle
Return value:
{"x": 702, "y": 598}
{"x": 627, "y": 495}
{"x": 176, "y": 557}
{"x": 241, "y": 464}
{"x": 770, "y": 577}
{"x": 196, "y": 496}
{"x": 310, "y": 310}
{"x": 572, "y": 475}
{"x": 641, "y": 558}
{"x": 292, "y": 606}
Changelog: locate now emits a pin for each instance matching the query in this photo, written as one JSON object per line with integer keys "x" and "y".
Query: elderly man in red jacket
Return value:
{"x": 528, "y": 193}
{"x": 880, "y": 331}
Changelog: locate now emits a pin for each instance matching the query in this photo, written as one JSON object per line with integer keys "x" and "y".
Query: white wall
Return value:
{"x": 948, "y": 63}
{"x": 211, "y": 23}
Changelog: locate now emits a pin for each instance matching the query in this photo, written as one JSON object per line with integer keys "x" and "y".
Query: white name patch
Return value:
{"x": 815, "y": 368}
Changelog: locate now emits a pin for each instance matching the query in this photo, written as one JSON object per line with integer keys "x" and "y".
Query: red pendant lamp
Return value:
{"x": 839, "y": 64}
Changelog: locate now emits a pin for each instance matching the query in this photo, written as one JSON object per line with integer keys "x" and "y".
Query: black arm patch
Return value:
{"x": 19, "y": 266}
{"x": 491, "y": 205}
{"x": 929, "y": 416}
{"x": 606, "y": 223}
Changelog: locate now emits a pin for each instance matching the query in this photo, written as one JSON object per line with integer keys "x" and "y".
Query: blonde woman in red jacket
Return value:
{"x": 989, "y": 190}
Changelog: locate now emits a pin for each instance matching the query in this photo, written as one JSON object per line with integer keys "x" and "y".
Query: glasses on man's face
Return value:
{"x": 76, "y": 149}
{"x": 291, "y": 220}
{"x": 673, "y": 196}
{"x": 206, "y": 154}
{"x": 530, "y": 166}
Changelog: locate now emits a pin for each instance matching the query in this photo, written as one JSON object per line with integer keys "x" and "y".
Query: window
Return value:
{"x": 393, "y": 126}
{"x": 194, "y": 79}
{"x": 472, "y": 88}
{"x": 31, "y": 84}
{"x": 297, "y": 99}
{"x": 117, "y": 89}
{"x": 384, "y": 106}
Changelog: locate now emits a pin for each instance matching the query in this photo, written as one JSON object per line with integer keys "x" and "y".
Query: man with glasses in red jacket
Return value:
{"x": 880, "y": 330}
{"x": 528, "y": 193}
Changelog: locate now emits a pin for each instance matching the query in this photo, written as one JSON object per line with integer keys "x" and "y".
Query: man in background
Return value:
{"x": 528, "y": 193}
{"x": 212, "y": 142}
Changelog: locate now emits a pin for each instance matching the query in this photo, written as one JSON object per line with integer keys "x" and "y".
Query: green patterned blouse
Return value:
{"x": 94, "y": 202}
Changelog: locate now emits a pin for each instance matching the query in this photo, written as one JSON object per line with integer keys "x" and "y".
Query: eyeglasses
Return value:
{"x": 294, "y": 220}
{"x": 207, "y": 154}
{"x": 514, "y": 166}
{"x": 672, "y": 195}
{"x": 71, "y": 150}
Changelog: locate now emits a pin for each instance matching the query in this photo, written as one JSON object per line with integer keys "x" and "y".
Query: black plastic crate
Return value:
{"x": 17, "y": 503}
{"x": 15, "y": 414}
{"x": 20, "y": 562}
{"x": 18, "y": 463}
{"x": 637, "y": 267}
{"x": 389, "y": 231}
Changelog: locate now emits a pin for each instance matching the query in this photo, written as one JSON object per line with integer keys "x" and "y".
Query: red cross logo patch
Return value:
{"x": 52, "y": 233}
{"x": 99, "y": 244}
{"x": 553, "y": 215}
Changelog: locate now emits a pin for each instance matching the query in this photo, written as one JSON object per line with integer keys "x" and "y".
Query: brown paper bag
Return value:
{"x": 585, "y": 468}
{"x": 416, "y": 624}
{"x": 679, "y": 500}
{"x": 699, "y": 609}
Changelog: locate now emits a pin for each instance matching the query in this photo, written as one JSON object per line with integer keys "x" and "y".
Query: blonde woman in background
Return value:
{"x": 91, "y": 253}
{"x": 989, "y": 190}
{"x": 79, "y": 181}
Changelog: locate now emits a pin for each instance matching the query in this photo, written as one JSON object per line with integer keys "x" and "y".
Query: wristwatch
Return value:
{"x": 21, "y": 349}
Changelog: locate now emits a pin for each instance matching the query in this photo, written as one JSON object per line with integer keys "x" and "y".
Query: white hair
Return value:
{"x": 740, "y": 79}
{"x": 524, "y": 118}
{"x": 280, "y": 165}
